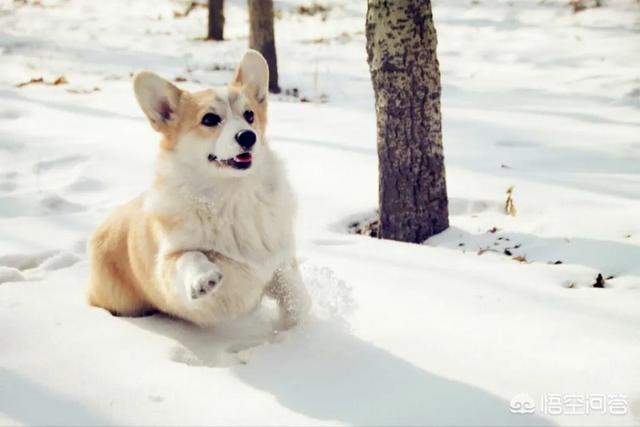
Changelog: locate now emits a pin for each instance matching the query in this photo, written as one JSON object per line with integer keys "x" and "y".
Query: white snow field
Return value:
{"x": 446, "y": 333}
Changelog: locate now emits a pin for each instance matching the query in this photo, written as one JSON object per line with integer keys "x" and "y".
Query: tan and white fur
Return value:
{"x": 209, "y": 239}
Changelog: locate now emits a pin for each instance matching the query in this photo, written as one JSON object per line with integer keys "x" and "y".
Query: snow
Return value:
{"x": 535, "y": 97}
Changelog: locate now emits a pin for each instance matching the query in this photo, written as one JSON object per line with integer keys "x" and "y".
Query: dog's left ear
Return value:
{"x": 253, "y": 74}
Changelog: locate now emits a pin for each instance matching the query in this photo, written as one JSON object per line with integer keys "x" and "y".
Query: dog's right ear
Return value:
{"x": 253, "y": 73}
{"x": 158, "y": 98}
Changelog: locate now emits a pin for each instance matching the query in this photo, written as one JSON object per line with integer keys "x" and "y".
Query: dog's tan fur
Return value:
{"x": 191, "y": 226}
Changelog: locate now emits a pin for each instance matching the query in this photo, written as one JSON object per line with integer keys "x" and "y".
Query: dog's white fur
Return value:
{"x": 207, "y": 241}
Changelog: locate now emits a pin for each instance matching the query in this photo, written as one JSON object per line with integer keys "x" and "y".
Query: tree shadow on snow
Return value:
{"x": 30, "y": 403}
{"x": 322, "y": 371}
{"x": 326, "y": 373}
{"x": 608, "y": 257}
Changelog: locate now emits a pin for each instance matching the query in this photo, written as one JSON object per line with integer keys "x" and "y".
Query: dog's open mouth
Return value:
{"x": 241, "y": 161}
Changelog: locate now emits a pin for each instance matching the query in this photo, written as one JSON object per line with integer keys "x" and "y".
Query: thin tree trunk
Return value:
{"x": 261, "y": 37}
{"x": 401, "y": 48}
{"x": 216, "y": 20}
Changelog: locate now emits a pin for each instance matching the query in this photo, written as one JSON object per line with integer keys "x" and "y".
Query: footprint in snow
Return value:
{"x": 59, "y": 261}
{"x": 186, "y": 357}
{"x": 9, "y": 175}
{"x": 60, "y": 172}
{"x": 10, "y": 274}
{"x": 21, "y": 267}
{"x": 156, "y": 398}
{"x": 56, "y": 204}
{"x": 10, "y": 114}
{"x": 8, "y": 182}
{"x": 221, "y": 354}
{"x": 7, "y": 186}
{"x": 24, "y": 262}
{"x": 28, "y": 205}
{"x": 85, "y": 184}
{"x": 49, "y": 177}
{"x": 65, "y": 162}
{"x": 64, "y": 173}
{"x": 10, "y": 145}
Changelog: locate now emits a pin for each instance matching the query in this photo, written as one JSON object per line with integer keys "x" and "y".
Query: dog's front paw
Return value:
{"x": 204, "y": 284}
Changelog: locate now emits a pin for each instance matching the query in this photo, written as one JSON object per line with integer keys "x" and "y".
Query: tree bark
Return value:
{"x": 401, "y": 50}
{"x": 216, "y": 20}
{"x": 261, "y": 37}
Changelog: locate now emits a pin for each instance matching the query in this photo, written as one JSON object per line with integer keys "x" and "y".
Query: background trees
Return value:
{"x": 261, "y": 32}
{"x": 401, "y": 48}
{"x": 215, "y": 29}
{"x": 261, "y": 37}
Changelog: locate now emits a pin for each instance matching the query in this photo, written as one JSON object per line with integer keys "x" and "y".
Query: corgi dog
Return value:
{"x": 214, "y": 233}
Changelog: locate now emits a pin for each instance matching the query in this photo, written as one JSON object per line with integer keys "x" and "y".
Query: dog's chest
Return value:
{"x": 252, "y": 228}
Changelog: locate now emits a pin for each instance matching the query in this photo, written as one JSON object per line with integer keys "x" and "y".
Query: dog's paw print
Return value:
{"x": 205, "y": 283}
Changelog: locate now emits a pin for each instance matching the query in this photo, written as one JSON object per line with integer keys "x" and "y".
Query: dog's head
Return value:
{"x": 214, "y": 133}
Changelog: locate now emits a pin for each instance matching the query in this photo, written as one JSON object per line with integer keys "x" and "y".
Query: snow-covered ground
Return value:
{"x": 535, "y": 97}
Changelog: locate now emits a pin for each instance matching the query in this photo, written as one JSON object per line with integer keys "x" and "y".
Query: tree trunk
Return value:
{"x": 401, "y": 50}
{"x": 216, "y": 20}
{"x": 261, "y": 37}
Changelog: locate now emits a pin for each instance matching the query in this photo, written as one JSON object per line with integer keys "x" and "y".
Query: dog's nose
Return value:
{"x": 246, "y": 138}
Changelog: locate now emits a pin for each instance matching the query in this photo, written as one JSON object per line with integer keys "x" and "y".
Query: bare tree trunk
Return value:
{"x": 261, "y": 37}
{"x": 401, "y": 48}
{"x": 216, "y": 20}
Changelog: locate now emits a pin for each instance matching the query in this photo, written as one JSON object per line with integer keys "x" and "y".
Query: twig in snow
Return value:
{"x": 599, "y": 282}
{"x": 580, "y": 5}
{"x": 39, "y": 80}
{"x": 509, "y": 206}
{"x": 188, "y": 10}
{"x": 482, "y": 251}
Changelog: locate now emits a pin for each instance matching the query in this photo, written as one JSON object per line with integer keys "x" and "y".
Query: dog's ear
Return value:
{"x": 253, "y": 74}
{"x": 158, "y": 98}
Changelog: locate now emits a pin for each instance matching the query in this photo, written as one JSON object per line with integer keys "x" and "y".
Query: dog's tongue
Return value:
{"x": 242, "y": 158}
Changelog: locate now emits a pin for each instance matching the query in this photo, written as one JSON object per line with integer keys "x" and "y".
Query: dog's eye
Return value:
{"x": 211, "y": 119}
{"x": 248, "y": 116}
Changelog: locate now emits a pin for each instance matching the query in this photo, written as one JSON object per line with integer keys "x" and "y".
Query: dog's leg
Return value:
{"x": 193, "y": 274}
{"x": 287, "y": 288}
